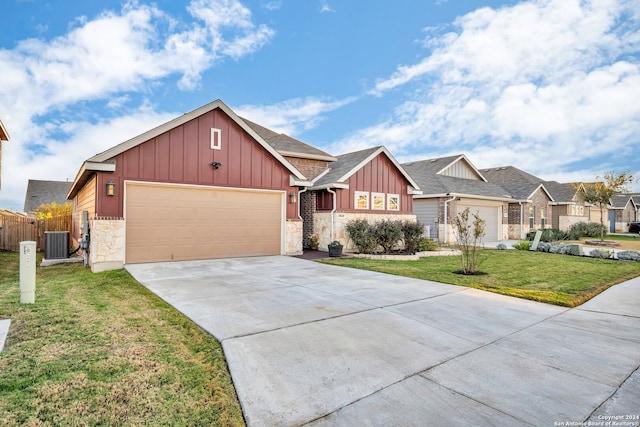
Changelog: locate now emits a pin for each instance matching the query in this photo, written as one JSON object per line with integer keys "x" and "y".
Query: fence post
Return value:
{"x": 27, "y": 272}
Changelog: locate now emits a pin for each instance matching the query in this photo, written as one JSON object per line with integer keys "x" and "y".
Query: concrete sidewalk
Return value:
{"x": 313, "y": 344}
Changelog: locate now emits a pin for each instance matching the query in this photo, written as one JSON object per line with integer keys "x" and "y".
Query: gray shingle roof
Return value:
{"x": 561, "y": 192}
{"x": 286, "y": 145}
{"x": 45, "y": 192}
{"x": 344, "y": 164}
{"x": 425, "y": 173}
{"x": 619, "y": 201}
{"x": 520, "y": 184}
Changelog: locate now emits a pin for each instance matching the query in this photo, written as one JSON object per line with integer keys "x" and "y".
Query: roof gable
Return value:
{"x": 4, "y": 135}
{"x": 348, "y": 164}
{"x": 103, "y": 161}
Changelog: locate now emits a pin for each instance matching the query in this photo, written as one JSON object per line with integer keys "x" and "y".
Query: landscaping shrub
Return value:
{"x": 412, "y": 233}
{"x": 363, "y": 236}
{"x": 388, "y": 232}
{"x": 585, "y": 229}
{"x": 428, "y": 244}
{"x": 523, "y": 245}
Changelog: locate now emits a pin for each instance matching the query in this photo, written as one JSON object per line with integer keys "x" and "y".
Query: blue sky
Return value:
{"x": 549, "y": 86}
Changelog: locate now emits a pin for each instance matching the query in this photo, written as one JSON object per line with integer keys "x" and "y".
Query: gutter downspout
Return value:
{"x": 300, "y": 201}
{"x": 446, "y": 217}
{"x": 333, "y": 211}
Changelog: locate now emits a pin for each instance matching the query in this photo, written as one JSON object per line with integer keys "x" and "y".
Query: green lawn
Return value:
{"x": 551, "y": 278}
{"x": 100, "y": 349}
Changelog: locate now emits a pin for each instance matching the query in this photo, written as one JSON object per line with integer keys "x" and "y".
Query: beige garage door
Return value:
{"x": 166, "y": 223}
{"x": 492, "y": 217}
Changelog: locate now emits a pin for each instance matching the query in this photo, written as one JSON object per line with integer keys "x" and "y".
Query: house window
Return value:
{"x": 531, "y": 218}
{"x": 361, "y": 200}
{"x": 324, "y": 201}
{"x": 393, "y": 202}
{"x": 378, "y": 201}
{"x": 543, "y": 218}
{"x": 216, "y": 139}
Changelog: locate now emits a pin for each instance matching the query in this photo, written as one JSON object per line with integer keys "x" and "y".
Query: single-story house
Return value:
{"x": 44, "y": 193}
{"x": 566, "y": 208}
{"x": 450, "y": 185}
{"x": 623, "y": 209}
{"x": 4, "y": 136}
{"x": 368, "y": 184}
{"x": 210, "y": 184}
{"x": 531, "y": 207}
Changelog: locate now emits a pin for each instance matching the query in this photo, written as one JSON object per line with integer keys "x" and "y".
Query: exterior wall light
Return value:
{"x": 293, "y": 197}
{"x": 111, "y": 188}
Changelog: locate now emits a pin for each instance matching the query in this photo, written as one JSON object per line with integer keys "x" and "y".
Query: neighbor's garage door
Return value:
{"x": 165, "y": 223}
{"x": 492, "y": 217}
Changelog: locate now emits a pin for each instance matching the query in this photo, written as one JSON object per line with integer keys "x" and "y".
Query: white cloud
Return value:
{"x": 325, "y": 8}
{"x": 537, "y": 85}
{"x": 105, "y": 60}
{"x": 292, "y": 116}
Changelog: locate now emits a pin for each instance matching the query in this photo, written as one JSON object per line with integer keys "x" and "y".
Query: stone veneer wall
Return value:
{"x": 106, "y": 251}
{"x": 293, "y": 237}
{"x": 322, "y": 226}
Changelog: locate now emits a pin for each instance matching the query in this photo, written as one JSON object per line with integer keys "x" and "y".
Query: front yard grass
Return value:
{"x": 552, "y": 278}
{"x": 100, "y": 349}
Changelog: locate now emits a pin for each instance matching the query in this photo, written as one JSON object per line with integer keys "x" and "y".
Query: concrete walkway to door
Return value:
{"x": 314, "y": 344}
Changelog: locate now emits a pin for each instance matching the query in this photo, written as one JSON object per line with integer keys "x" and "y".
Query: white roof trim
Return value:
{"x": 545, "y": 190}
{"x": 466, "y": 196}
{"x": 308, "y": 156}
{"x": 343, "y": 185}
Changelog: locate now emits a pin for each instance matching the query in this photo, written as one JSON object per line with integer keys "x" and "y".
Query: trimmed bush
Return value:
{"x": 388, "y": 233}
{"x": 585, "y": 229}
{"x": 523, "y": 245}
{"x": 428, "y": 244}
{"x": 413, "y": 236}
{"x": 363, "y": 236}
{"x": 549, "y": 235}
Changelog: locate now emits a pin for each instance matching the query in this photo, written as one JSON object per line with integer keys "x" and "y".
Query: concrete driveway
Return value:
{"x": 313, "y": 344}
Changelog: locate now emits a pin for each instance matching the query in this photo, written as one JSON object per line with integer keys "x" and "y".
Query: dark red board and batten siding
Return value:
{"x": 183, "y": 155}
{"x": 380, "y": 175}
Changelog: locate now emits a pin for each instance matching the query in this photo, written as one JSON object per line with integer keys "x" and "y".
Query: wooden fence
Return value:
{"x": 16, "y": 228}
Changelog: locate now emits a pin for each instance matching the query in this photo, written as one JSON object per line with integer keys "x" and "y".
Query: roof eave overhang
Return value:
{"x": 4, "y": 135}
{"x": 372, "y": 156}
{"x": 341, "y": 185}
{"x": 466, "y": 196}
{"x": 308, "y": 156}
{"x": 294, "y": 182}
{"x": 86, "y": 171}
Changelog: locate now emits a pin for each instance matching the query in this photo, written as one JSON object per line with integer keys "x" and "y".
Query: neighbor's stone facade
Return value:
{"x": 322, "y": 226}
{"x": 106, "y": 251}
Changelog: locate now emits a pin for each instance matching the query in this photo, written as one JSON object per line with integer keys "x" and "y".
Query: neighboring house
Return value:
{"x": 368, "y": 184}
{"x": 44, "y": 193}
{"x": 4, "y": 136}
{"x": 450, "y": 185}
{"x": 531, "y": 208}
{"x": 623, "y": 209}
{"x": 210, "y": 184}
{"x": 566, "y": 208}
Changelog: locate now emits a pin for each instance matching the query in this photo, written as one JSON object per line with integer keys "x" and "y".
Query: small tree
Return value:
{"x": 53, "y": 210}
{"x": 468, "y": 236}
{"x": 599, "y": 193}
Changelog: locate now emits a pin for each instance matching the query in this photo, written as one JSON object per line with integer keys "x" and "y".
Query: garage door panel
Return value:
{"x": 167, "y": 223}
{"x": 492, "y": 217}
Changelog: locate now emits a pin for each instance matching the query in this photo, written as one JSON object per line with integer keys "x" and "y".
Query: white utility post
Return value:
{"x": 27, "y": 272}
